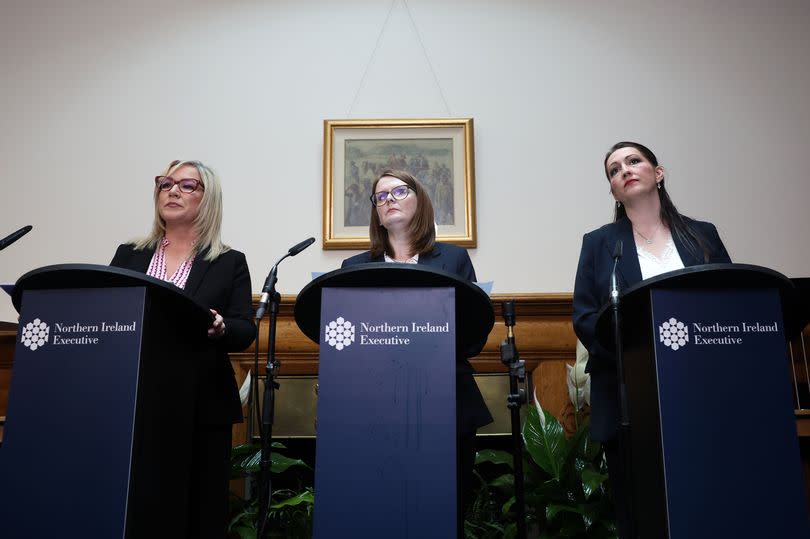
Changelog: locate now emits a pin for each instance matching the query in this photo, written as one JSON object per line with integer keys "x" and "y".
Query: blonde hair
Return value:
{"x": 208, "y": 222}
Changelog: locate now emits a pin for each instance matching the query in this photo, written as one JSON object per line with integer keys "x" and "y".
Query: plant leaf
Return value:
{"x": 554, "y": 508}
{"x": 591, "y": 480}
{"x": 504, "y": 482}
{"x": 239, "y": 451}
{"x": 577, "y": 509}
{"x": 280, "y": 463}
{"x": 305, "y": 497}
{"x": 508, "y": 505}
{"x": 494, "y": 456}
{"x": 550, "y": 491}
{"x": 587, "y": 448}
{"x": 546, "y": 445}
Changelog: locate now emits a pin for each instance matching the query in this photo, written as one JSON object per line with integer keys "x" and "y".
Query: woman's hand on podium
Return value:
{"x": 217, "y": 329}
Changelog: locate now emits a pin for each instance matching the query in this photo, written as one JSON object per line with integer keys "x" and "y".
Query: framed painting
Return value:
{"x": 437, "y": 152}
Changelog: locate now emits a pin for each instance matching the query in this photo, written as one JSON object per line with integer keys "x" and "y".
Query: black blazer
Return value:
{"x": 223, "y": 285}
{"x": 591, "y": 291}
{"x": 471, "y": 410}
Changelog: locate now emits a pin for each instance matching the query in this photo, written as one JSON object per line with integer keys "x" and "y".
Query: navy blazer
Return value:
{"x": 591, "y": 291}
{"x": 471, "y": 410}
{"x": 224, "y": 285}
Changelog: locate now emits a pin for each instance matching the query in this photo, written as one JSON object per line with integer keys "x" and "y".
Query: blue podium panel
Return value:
{"x": 728, "y": 433}
{"x": 75, "y": 364}
{"x": 386, "y": 432}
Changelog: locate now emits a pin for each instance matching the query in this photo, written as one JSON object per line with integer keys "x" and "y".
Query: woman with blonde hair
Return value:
{"x": 184, "y": 248}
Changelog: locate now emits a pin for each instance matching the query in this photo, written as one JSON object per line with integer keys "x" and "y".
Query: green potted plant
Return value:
{"x": 290, "y": 514}
{"x": 565, "y": 477}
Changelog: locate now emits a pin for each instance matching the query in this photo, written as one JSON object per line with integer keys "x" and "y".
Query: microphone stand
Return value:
{"x": 515, "y": 399}
{"x": 268, "y": 404}
{"x": 624, "y": 426}
{"x": 272, "y": 298}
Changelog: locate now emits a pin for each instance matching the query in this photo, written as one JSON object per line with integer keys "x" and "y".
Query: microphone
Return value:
{"x": 298, "y": 247}
{"x": 270, "y": 282}
{"x": 614, "y": 285}
{"x": 14, "y": 236}
{"x": 508, "y": 309}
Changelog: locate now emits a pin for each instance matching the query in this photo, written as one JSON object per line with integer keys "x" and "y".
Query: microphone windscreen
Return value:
{"x": 617, "y": 250}
{"x": 298, "y": 247}
{"x": 14, "y": 236}
{"x": 508, "y": 308}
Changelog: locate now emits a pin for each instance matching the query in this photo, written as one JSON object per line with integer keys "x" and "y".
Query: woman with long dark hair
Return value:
{"x": 656, "y": 239}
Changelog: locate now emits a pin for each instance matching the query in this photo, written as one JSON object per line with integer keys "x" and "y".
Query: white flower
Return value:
{"x": 539, "y": 409}
{"x": 579, "y": 382}
{"x": 244, "y": 391}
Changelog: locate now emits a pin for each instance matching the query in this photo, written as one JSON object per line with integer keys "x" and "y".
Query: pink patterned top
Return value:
{"x": 157, "y": 267}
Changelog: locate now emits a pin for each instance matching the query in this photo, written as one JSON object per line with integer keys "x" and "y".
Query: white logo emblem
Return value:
{"x": 339, "y": 333}
{"x": 673, "y": 334}
{"x": 35, "y": 334}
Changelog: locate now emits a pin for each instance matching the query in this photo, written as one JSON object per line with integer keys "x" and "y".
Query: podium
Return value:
{"x": 713, "y": 448}
{"x": 101, "y": 405}
{"x": 389, "y": 337}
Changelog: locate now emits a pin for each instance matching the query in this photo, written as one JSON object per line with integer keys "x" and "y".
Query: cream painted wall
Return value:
{"x": 98, "y": 96}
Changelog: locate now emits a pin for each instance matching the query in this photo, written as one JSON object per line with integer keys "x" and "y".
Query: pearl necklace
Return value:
{"x": 652, "y": 236}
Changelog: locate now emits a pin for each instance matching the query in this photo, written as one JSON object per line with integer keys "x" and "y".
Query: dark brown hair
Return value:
{"x": 670, "y": 216}
{"x": 422, "y": 229}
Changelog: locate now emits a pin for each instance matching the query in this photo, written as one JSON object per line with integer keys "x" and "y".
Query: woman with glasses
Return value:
{"x": 185, "y": 249}
{"x": 403, "y": 229}
{"x": 656, "y": 239}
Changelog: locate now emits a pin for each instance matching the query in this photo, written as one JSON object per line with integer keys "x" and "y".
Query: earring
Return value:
{"x": 659, "y": 186}
{"x": 618, "y": 204}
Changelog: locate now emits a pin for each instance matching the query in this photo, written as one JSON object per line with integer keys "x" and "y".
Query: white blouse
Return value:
{"x": 652, "y": 265}
{"x": 412, "y": 260}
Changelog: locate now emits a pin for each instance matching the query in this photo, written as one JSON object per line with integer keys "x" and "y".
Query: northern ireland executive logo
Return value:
{"x": 35, "y": 334}
{"x": 339, "y": 333}
{"x": 673, "y": 334}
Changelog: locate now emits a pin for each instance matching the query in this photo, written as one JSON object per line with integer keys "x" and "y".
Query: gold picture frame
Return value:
{"x": 438, "y": 152}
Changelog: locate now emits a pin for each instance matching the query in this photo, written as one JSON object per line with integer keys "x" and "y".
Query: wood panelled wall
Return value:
{"x": 543, "y": 333}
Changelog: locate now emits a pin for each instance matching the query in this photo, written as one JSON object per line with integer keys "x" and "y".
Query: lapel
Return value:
{"x": 198, "y": 270}
{"x": 628, "y": 269}
{"x": 687, "y": 257}
{"x": 433, "y": 258}
{"x": 140, "y": 260}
